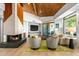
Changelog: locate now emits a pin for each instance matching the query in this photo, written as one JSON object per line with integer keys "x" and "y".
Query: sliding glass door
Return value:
{"x": 45, "y": 29}
{"x": 48, "y": 29}
{"x": 51, "y": 28}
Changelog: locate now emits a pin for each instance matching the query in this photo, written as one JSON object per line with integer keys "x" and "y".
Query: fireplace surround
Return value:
{"x": 13, "y": 41}
{"x": 14, "y": 38}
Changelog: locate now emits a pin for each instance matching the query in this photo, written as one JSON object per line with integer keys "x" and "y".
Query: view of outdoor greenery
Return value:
{"x": 70, "y": 24}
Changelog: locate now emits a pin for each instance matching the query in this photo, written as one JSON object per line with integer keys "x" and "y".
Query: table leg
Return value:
{"x": 71, "y": 44}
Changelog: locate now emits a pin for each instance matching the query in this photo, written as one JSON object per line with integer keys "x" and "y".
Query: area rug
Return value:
{"x": 43, "y": 48}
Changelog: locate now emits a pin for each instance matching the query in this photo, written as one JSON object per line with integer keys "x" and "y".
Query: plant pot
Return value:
{"x": 34, "y": 43}
{"x": 52, "y": 43}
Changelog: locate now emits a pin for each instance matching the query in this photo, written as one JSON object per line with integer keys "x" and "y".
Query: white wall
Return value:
{"x": 60, "y": 22}
{"x": 47, "y": 19}
{"x": 2, "y": 8}
{"x": 1, "y": 13}
{"x": 31, "y": 19}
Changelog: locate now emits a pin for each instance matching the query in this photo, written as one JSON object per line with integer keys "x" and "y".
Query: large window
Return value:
{"x": 70, "y": 25}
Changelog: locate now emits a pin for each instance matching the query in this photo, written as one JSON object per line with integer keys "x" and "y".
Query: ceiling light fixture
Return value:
{"x": 28, "y": 3}
{"x": 40, "y": 11}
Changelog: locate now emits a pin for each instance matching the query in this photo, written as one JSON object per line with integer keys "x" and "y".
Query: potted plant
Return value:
{"x": 34, "y": 42}
{"x": 52, "y": 42}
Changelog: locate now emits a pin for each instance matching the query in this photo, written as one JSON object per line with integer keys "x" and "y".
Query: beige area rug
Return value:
{"x": 43, "y": 48}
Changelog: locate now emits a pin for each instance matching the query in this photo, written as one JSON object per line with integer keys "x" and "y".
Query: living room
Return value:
{"x": 38, "y": 27}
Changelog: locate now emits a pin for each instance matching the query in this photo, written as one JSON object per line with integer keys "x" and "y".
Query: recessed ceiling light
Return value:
{"x": 40, "y": 11}
{"x": 28, "y": 3}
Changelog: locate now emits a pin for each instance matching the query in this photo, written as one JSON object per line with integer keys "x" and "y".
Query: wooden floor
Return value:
{"x": 21, "y": 51}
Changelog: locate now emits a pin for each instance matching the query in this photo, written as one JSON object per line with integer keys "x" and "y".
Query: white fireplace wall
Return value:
{"x": 12, "y": 26}
{"x": 9, "y": 25}
{"x": 18, "y": 25}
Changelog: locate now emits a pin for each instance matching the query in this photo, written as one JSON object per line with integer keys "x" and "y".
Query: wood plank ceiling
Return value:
{"x": 43, "y": 9}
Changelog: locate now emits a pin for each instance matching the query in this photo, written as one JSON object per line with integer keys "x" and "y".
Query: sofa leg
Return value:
{"x": 51, "y": 48}
{"x": 34, "y": 48}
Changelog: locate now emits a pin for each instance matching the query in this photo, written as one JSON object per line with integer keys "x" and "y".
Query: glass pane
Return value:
{"x": 70, "y": 25}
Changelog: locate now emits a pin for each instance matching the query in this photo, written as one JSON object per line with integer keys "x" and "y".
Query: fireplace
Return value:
{"x": 14, "y": 41}
{"x": 14, "y": 38}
